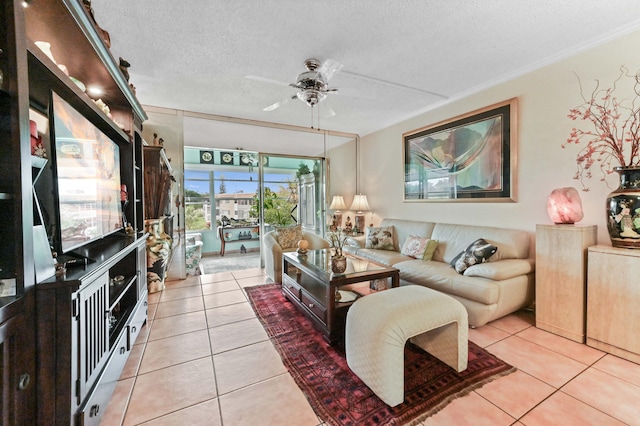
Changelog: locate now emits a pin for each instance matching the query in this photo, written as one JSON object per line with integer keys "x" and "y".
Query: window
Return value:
{"x": 232, "y": 193}
{"x": 197, "y": 200}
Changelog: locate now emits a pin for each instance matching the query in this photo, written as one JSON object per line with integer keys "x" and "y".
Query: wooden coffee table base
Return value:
{"x": 312, "y": 289}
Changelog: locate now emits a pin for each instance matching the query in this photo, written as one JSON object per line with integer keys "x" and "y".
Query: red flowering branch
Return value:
{"x": 614, "y": 135}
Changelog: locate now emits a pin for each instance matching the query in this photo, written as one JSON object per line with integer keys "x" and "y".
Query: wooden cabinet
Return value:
{"x": 17, "y": 277}
{"x": 613, "y": 298}
{"x": 88, "y": 321}
{"x": 75, "y": 322}
{"x": 16, "y": 378}
{"x": 561, "y": 272}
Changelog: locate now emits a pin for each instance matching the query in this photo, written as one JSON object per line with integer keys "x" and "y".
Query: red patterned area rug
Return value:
{"x": 337, "y": 395}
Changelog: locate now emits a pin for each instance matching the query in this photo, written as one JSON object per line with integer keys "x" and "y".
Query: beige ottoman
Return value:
{"x": 379, "y": 325}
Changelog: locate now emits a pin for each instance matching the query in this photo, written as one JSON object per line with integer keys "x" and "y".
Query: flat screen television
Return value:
{"x": 86, "y": 178}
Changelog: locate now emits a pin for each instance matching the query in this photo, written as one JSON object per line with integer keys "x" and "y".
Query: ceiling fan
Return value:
{"x": 312, "y": 84}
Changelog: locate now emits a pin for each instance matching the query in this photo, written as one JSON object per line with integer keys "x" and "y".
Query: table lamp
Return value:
{"x": 360, "y": 205}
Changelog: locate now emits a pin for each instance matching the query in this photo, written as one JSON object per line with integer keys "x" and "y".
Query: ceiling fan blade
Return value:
{"x": 328, "y": 111}
{"x": 266, "y": 80}
{"x": 278, "y": 104}
{"x": 329, "y": 68}
{"x": 357, "y": 93}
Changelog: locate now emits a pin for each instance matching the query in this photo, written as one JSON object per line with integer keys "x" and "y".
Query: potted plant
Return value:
{"x": 612, "y": 145}
{"x": 338, "y": 261}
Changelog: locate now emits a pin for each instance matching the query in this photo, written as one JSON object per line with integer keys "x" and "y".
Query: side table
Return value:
{"x": 613, "y": 298}
{"x": 561, "y": 278}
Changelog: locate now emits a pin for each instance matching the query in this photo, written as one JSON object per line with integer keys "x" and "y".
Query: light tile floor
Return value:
{"x": 204, "y": 359}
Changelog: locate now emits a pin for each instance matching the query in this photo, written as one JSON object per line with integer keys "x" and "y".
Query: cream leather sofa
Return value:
{"x": 490, "y": 290}
{"x": 273, "y": 252}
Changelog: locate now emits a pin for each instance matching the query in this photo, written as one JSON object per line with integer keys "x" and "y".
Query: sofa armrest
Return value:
{"x": 272, "y": 257}
{"x": 316, "y": 242}
{"x": 357, "y": 242}
{"x": 501, "y": 269}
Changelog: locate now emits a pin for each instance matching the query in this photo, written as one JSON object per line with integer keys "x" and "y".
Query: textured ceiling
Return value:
{"x": 400, "y": 57}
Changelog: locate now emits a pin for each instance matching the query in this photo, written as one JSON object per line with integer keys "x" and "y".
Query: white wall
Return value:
{"x": 545, "y": 97}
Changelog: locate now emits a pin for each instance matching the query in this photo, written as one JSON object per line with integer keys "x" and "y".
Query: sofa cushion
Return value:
{"x": 441, "y": 277}
{"x": 503, "y": 270}
{"x": 477, "y": 252}
{"x": 380, "y": 238}
{"x": 415, "y": 247}
{"x": 404, "y": 228}
{"x": 288, "y": 237}
{"x": 384, "y": 257}
{"x": 432, "y": 245}
{"x": 511, "y": 243}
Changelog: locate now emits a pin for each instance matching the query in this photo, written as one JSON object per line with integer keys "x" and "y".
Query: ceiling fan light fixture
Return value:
{"x": 311, "y": 97}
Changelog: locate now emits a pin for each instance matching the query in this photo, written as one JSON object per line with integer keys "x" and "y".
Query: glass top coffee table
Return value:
{"x": 307, "y": 281}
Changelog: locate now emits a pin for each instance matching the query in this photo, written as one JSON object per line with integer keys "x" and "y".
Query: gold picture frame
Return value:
{"x": 469, "y": 158}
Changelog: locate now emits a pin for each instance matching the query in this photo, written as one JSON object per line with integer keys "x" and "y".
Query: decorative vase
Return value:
{"x": 338, "y": 264}
{"x": 158, "y": 251}
{"x": 623, "y": 209}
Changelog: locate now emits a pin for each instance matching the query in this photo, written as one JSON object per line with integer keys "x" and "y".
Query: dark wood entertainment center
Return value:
{"x": 65, "y": 339}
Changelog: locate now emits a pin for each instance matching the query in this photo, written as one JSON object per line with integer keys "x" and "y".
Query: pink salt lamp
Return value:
{"x": 564, "y": 206}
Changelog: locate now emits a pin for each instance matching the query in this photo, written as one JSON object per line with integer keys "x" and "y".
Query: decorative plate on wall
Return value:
{"x": 206, "y": 157}
{"x": 226, "y": 157}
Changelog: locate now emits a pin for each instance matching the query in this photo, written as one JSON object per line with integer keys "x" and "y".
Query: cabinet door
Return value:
{"x": 142, "y": 271}
{"x": 93, "y": 336}
{"x": 14, "y": 377}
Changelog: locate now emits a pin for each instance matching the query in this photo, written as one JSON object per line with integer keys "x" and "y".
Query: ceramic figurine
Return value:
{"x": 124, "y": 68}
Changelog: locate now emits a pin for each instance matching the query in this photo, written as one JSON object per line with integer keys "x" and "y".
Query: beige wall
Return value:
{"x": 545, "y": 96}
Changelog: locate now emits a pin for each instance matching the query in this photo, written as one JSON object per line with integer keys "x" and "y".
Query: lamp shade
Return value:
{"x": 337, "y": 203}
{"x": 360, "y": 203}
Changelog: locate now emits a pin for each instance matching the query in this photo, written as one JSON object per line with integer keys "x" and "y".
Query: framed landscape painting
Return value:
{"x": 468, "y": 158}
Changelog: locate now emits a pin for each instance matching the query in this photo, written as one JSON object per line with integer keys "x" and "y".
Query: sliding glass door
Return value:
{"x": 235, "y": 197}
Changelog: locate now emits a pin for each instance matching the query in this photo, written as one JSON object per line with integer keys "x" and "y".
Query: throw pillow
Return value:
{"x": 288, "y": 237}
{"x": 415, "y": 246}
{"x": 477, "y": 252}
{"x": 380, "y": 238}
{"x": 432, "y": 245}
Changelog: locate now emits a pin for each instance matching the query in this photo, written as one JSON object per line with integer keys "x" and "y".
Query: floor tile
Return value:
{"x": 169, "y": 389}
{"x": 153, "y": 298}
{"x": 204, "y": 414}
{"x": 236, "y": 335}
{"x": 621, "y": 368}
{"x": 220, "y": 287}
{"x": 180, "y": 293}
{"x": 228, "y": 314}
{"x": 544, "y": 364}
{"x": 252, "y": 281}
{"x": 574, "y": 350}
{"x": 175, "y": 350}
{"x": 178, "y": 324}
{"x": 276, "y": 401}
{"x": 213, "y": 278}
{"x": 189, "y": 281}
{"x": 133, "y": 362}
{"x": 115, "y": 410}
{"x": 151, "y": 311}
{"x": 616, "y": 397}
{"x": 486, "y": 335}
{"x": 144, "y": 331}
{"x": 562, "y": 409}
{"x": 246, "y": 273}
{"x": 221, "y": 299}
{"x": 247, "y": 365}
{"x": 516, "y": 393}
{"x": 177, "y": 307}
{"x": 470, "y": 410}
{"x": 515, "y": 322}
